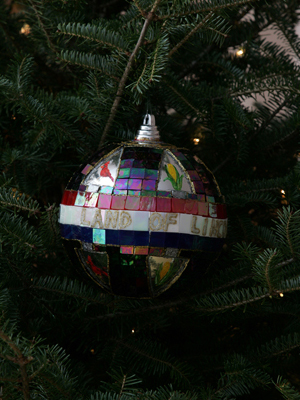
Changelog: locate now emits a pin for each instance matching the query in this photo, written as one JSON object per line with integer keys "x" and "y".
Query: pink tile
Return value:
{"x": 191, "y": 206}
{"x": 104, "y": 201}
{"x": 178, "y": 205}
{"x": 202, "y": 209}
{"x": 132, "y": 203}
{"x": 118, "y": 202}
{"x": 163, "y": 204}
{"x": 147, "y": 203}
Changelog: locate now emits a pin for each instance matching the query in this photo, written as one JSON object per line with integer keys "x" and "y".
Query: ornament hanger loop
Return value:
{"x": 148, "y": 131}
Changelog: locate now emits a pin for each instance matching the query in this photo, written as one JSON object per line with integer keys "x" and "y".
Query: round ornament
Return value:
{"x": 137, "y": 212}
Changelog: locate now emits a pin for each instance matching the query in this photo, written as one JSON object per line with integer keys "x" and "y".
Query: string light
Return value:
{"x": 25, "y": 30}
{"x": 282, "y": 191}
{"x": 196, "y": 141}
{"x": 92, "y": 351}
{"x": 240, "y": 53}
{"x": 281, "y": 294}
{"x": 132, "y": 330}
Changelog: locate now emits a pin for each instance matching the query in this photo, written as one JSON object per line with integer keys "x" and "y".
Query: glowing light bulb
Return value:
{"x": 132, "y": 331}
{"x": 25, "y": 30}
{"x": 240, "y": 53}
{"x": 281, "y": 294}
{"x": 196, "y": 141}
{"x": 282, "y": 191}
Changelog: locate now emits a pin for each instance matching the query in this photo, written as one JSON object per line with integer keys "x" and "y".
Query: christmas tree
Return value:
{"x": 78, "y": 74}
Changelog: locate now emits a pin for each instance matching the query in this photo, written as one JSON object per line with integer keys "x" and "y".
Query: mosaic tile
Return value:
{"x": 156, "y": 251}
{"x": 178, "y": 205}
{"x": 186, "y": 164}
{"x": 203, "y": 209}
{"x": 210, "y": 199}
{"x": 212, "y": 210}
{"x": 128, "y": 153}
{"x": 192, "y": 196}
{"x": 126, "y": 249}
{"x": 132, "y": 203}
{"x": 87, "y": 246}
{"x": 126, "y": 163}
{"x": 86, "y": 234}
{"x": 201, "y": 197}
{"x": 148, "y": 185}
{"x": 106, "y": 189}
{"x": 124, "y": 173}
{"x": 134, "y": 192}
{"x": 80, "y": 199}
{"x": 163, "y": 204}
{"x": 179, "y": 194}
{"x": 127, "y": 238}
{"x": 178, "y": 154}
{"x": 148, "y": 204}
{"x": 104, "y": 201}
{"x": 172, "y": 252}
{"x": 172, "y": 239}
{"x": 112, "y": 236}
{"x": 99, "y": 236}
{"x": 157, "y": 239}
{"x": 149, "y": 193}
{"x": 193, "y": 175}
{"x": 138, "y": 164}
{"x": 199, "y": 187}
{"x": 162, "y": 193}
{"x": 152, "y": 164}
{"x": 191, "y": 206}
{"x": 66, "y": 231}
{"x": 141, "y": 250}
{"x": 91, "y": 199}
{"x": 134, "y": 184}
{"x": 151, "y": 174}
{"x": 141, "y": 238}
{"x": 121, "y": 184}
{"x": 221, "y": 210}
{"x": 185, "y": 241}
{"x": 137, "y": 173}
{"x": 119, "y": 192}
{"x": 140, "y": 220}
{"x": 86, "y": 169}
{"x": 118, "y": 202}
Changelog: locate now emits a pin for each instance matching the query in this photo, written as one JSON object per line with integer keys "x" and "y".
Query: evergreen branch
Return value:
{"x": 191, "y": 33}
{"x": 113, "y": 111}
{"x": 287, "y": 230}
{"x": 184, "y": 99}
{"x": 21, "y": 360}
{"x": 12, "y": 198}
{"x": 215, "y": 8}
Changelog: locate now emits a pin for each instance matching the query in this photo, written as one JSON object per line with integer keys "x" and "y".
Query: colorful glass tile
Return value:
{"x": 210, "y": 199}
{"x": 118, "y": 202}
{"x": 199, "y": 187}
{"x": 152, "y": 164}
{"x": 86, "y": 234}
{"x": 126, "y": 249}
{"x": 87, "y": 246}
{"x": 80, "y": 199}
{"x": 179, "y": 155}
{"x": 99, "y": 236}
{"x": 86, "y": 169}
{"x": 82, "y": 188}
{"x": 120, "y": 192}
{"x": 154, "y": 251}
{"x": 193, "y": 175}
{"x": 91, "y": 199}
{"x": 69, "y": 198}
{"x": 212, "y": 210}
{"x": 127, "y": 238}
{"x": 148, "y": 185}
{"x": 134, "y": 184}
{"x": 178, "y": 205}
{"x": 112, "y": 236}
{"x": 163, "y": 204}
{"x": 121, "y": 184}
{"x": 148, "y": 204}
{"x": 192, "y": 196}
{"x": 132, "y": 203}
{"x": 162, "y": 193}
{"x": 201, "y": 197}
{"x": 138, "y": 164}
{"x": 124, "y": 173}
{"x": 137, "y": 173}
{"x": 202, "y": 209}
{"x": 141, "y": 250}
{"x": 149, "y": 193}
{"x": 191, "y": 206}
{"x": 221, "y": 210}
{"x": 134, "y": 192}
{"x": 141, "y": 238}
{"x": 126, "y": 163}
{"x": 186, "y": 164}
{"x": 171, "y": 252}
{"x": 151, "y": 174}
{"x": 104, "y": 201}
{"x": 179, "y": 194}
{"x": 66, "y": 231}
{"x": 106, "y": 189}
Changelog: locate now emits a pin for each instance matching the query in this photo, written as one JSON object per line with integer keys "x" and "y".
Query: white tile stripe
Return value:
{"x": 143, "y": 221}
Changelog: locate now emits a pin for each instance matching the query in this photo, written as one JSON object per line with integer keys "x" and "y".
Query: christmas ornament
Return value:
{"x": 136, "y": 213}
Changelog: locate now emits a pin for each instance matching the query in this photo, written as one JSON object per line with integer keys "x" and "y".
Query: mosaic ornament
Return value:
{"x": 135, "y": 215}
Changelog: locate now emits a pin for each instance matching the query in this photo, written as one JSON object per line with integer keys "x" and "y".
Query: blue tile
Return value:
{"x": 157, "y": 239}
{"x": 66, "y": 231}
{"x": 112, "y": 236}
{"x": 141, "y": 238}
{"x": 185, "y": 241}
{"x": 172, "y": 240}
{"x": 127, "y": 238}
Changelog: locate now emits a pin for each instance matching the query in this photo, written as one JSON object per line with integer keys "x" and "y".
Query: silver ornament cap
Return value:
{"x": 148, "y": 131}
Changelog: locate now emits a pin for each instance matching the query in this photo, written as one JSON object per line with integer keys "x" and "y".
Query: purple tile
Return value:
{"x": 151, "y": 174}
{"x": 199, "y": 187}
{"x": 121, "y": 184}
{"x": 120, "y": 191}
{"x": 163, "y": 193}
{"x": 134, "y": 184}
{"x": 193, "y": 175}
{"x": 137, "y": 173}
{"x": 148, "y": 185}
{"x": 138, "y": 164}
{"x": 124, "y": 173}
{"x": 82, "y": 188}
{"x": 127, "y": 163}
